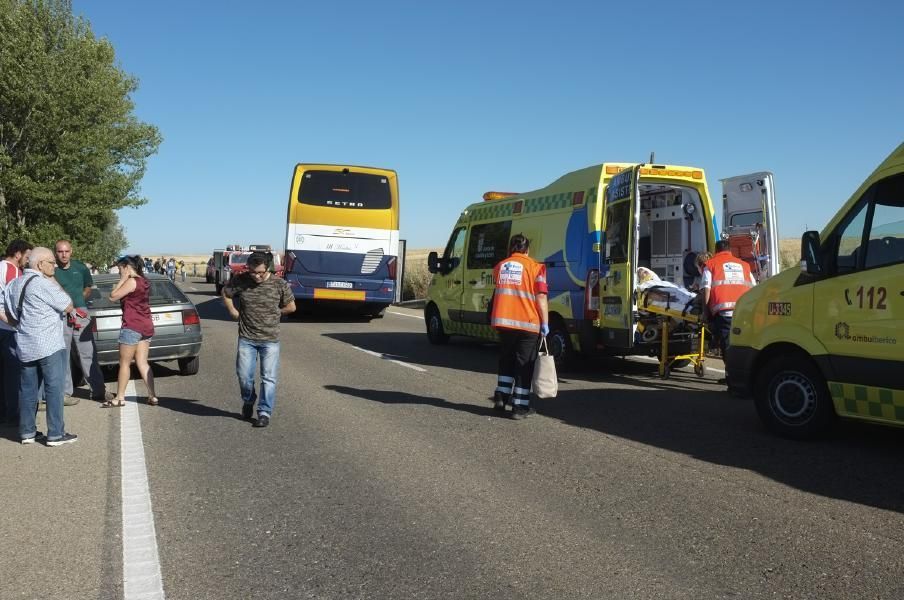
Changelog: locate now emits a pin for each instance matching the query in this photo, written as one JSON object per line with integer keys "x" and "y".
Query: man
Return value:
{"x": 76, "y": 279}
{"x": 17, "y": 253}
{"x": 520, "y": 315}
{"x": 263, "y": 299}
{"x": 725, "y": 279}
{"x": 39, "y": 307}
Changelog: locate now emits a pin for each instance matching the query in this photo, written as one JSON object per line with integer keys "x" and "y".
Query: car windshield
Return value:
{"x": 238, "y": 259}
{"x": 162, "y": 292}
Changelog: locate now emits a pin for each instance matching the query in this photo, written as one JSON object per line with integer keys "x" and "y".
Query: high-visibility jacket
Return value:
{"x": 518, "y": 279}
{"x": 731, "y": 278}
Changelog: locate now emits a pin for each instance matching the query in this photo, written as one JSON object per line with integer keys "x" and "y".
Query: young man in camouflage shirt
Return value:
{"x": 262, "y": 299}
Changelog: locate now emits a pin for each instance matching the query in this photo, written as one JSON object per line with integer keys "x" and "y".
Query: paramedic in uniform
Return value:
{"x": 520, "y": 315}
{"x": 725, "y": 279}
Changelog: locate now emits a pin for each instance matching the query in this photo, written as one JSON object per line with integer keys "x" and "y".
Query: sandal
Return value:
{"x": 152, "y": 401}
{"x": 113, "y": 403}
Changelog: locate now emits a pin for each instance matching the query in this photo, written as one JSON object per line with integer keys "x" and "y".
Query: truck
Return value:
{"x": 222, "y": 269}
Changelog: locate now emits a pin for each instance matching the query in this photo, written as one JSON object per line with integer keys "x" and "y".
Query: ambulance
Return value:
{"x": 827, "y": 340}
{"x": 593, "y": 228}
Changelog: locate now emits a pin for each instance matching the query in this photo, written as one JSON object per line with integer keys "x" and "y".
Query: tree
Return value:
{"x": 71, "y": 150}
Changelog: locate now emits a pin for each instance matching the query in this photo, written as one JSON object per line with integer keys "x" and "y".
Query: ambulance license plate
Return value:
{"x": 340, "y": 284}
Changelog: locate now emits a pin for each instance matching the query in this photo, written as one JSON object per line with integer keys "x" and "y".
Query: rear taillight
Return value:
{"x": 592, "y": 295}
{"x": 392, "y": 265}
{"x": 190, "y": 317}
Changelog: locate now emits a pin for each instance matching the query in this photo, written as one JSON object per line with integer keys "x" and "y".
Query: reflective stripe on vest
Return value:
{"x": 723, "y": 307}
{"x": 746, "y": 283}
{"x": 500, "y": 322}
{"x": 519, "y": 293}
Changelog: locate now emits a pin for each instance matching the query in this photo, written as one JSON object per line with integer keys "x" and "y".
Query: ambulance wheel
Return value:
{"x": 559, "y": 342}
{"x": 792, "y": 398}
{"x": 435, "y": 332}
{"x": 700, "y": 370}
{"x": 680, "y": 364}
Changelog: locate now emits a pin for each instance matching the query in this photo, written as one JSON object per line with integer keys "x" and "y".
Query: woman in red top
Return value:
{"x": 133, "y": 293}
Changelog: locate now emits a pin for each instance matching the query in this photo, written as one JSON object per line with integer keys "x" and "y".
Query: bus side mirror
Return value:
{"x": 433, "y": 262}
{"x": 810, "y": 262}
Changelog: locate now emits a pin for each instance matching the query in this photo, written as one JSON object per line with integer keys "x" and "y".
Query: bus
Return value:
{"x": 342, "y": 237}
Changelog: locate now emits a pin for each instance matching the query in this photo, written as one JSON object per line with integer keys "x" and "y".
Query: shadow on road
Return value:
{"x": 194, "y": 408}
{"x": 393, "y": 397}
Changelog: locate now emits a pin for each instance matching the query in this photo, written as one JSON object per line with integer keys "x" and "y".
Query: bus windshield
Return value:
{"x": 345, "y": 190}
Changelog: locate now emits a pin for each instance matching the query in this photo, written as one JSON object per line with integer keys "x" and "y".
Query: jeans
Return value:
{"x": 12, "y": 369}
{"x": 245, "y": 363}
{"x": 48, "y": 371}
{"x": 87, "y": 356}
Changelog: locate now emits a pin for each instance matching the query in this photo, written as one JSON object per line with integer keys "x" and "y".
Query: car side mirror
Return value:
{"x": 810, "y": 259}
{"x": 433, "y": 262}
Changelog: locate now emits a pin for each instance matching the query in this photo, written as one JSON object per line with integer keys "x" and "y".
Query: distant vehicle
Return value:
{"x": 342, "y": 236}
{"x": 221, "y": 270}
{"x": 211, "y": 273}
{"x": 177, "y": 326}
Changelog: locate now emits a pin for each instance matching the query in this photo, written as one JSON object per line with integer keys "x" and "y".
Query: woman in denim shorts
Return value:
{"x": 133, "y": 293}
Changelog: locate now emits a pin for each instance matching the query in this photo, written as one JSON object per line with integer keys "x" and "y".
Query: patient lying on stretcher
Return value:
{"x": 674, "y": 300}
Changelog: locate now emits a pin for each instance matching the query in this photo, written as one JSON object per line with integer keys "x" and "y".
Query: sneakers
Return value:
{"x": 70, "y": 400}
{"x": 67, "y": 438}
{"x": 38, "y": 437}
{"x": 247, "y": 410}
{"x": 521, "y": 412}
{"x": 499, "y": 401}
{"x": 262, "y": 421}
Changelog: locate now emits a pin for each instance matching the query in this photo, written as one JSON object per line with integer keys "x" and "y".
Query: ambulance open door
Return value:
{"x": 620, "y": 222}
{"x": 750, "y": 223}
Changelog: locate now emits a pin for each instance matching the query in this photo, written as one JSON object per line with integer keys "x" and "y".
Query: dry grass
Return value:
{"x": 789, "y": 251}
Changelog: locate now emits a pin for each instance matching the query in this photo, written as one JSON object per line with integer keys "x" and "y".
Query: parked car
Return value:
{"x": 211, "y": 274}
{"x": 177, "y": 327}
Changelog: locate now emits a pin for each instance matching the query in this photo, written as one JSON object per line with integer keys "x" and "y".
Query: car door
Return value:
{"x": 487, "y": 245}
{"x": 620, "y": 222}
{"x": 859, "y": 308}
{"x": 451, "y": 277}
{"x": 750, "y": 221}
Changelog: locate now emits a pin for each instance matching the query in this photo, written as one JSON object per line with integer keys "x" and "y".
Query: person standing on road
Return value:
{"x": 520, "y": 315}
{"x": 725, "y": 279}
{"x": 263, "y": 299}
{"x": 11, "y": 267}
{"x": 133, "y": 293}
{"x": 39, "y": 307}
{"x": 76, "y": 279}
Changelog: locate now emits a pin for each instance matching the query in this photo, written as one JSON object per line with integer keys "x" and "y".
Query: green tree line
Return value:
{"x": 71, "y": 150}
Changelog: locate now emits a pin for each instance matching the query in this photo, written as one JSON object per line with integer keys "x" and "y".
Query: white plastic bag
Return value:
{"x": 545, "y": 383}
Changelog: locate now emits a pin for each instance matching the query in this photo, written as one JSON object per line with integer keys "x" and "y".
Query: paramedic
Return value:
{"x": 520, "y": 314}
{"x": 725, "y": 279}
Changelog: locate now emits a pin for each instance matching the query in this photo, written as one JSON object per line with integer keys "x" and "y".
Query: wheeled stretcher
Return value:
{"x": 675, "y": 309}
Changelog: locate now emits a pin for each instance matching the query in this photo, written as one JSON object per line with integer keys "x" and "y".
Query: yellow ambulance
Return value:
{"x": 828, "y": 340}
{"x": 592, "y": 228}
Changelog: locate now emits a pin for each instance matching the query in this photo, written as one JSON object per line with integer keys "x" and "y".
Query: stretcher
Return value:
{"x": 673, "y": 304}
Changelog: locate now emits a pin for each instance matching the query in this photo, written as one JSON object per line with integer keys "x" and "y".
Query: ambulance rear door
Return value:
{"x": 620, "y": 222}
{"x": 750, "y": 222}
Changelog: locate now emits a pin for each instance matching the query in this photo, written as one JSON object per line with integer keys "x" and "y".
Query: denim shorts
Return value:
{"x": 130, "y": 337}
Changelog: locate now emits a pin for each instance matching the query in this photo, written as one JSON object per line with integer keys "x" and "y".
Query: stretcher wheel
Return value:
{"x": 666, "y": 373}
{"x": 700, "y": 370}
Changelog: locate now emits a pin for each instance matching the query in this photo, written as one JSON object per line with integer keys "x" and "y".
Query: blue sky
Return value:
{"x": 464, "y": 97}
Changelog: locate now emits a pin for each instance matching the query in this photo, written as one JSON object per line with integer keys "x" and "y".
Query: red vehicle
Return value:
{"x": 221, "y": 265}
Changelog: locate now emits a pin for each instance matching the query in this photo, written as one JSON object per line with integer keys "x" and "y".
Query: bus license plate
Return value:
{"x": 340, "y": 284}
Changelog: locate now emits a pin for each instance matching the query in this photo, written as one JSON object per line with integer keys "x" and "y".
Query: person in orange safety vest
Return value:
{"x": 520, "y": 314}
{"x": 725, "y": 279}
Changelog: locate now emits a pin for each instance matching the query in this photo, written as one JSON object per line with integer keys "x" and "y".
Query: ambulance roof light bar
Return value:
{"x": 498, "y": 195}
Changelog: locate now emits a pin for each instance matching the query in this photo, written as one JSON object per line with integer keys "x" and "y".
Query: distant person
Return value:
{"x": 40, "y": 306}
{"x": 171, "y": 269}
{"x": 114, "y": 270}
{"x": 11, "y": 267}
{"x": 520, "y": 315}
{"x": 181, "y": 265}
{"x": 157, "y": 267}
{"x": 76, "y": 279}
{"x": 132, "y": 291}
{"x": 263, "y": 299}
{"x": 724, "y": 280}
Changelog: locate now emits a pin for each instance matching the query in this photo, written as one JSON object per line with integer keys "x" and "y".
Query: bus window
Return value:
{"x": 345, "y": 190}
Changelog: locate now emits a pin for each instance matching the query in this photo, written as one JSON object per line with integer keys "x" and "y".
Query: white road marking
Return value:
{"x": 140, "y": 561}
{"x": 392, "y": 312}
{"x": 387, "y": 357}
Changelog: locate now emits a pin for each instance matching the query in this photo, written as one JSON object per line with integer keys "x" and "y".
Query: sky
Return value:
{"x": 464, "y": 97}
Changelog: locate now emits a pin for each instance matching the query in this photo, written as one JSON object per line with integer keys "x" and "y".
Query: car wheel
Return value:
{"x": 189, "y": 366}
{"x": 559, "y": 342}
{"x": 435, "y": 332}
{"x": 792, "y": 398}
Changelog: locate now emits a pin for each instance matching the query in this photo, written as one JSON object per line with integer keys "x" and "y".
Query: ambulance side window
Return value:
{"x": 873, "y": 233}
{"x": 488, "y": 244}
{"x": 455, "y": 249}
{"x": 849, "y": 239}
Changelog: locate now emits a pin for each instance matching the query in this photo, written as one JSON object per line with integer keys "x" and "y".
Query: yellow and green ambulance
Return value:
{"x": 827, "y": 340}
{"x": 592, "y": 228}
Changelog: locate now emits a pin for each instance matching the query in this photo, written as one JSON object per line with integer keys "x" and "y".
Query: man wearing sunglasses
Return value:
{"x": 262, "y": 299}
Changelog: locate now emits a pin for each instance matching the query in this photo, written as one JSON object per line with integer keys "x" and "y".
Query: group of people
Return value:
{"x": 44, "y": 297}
{"x": 520, "y": 313}
{"x": 166, "y": 266}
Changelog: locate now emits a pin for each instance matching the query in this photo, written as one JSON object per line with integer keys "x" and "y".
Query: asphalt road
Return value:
{"x": 386, "y": 474}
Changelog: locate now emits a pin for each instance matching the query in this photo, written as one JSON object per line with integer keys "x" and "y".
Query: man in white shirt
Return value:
{"x": 11, "y": 266}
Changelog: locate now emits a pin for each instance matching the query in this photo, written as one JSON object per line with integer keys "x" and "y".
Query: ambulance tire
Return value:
{"x": 435, "y": 332}
{"x": 559, "y": 342}
{"x": 792, "y": 398}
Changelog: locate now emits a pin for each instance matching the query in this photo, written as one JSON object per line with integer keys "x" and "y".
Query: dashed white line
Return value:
{"x": 392, "y": 312}
{"x": 386, "y": 357}
{"x": 142, "y": 578}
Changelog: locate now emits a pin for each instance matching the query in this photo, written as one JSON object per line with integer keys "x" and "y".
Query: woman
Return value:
{"x": 133, "y": 292}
